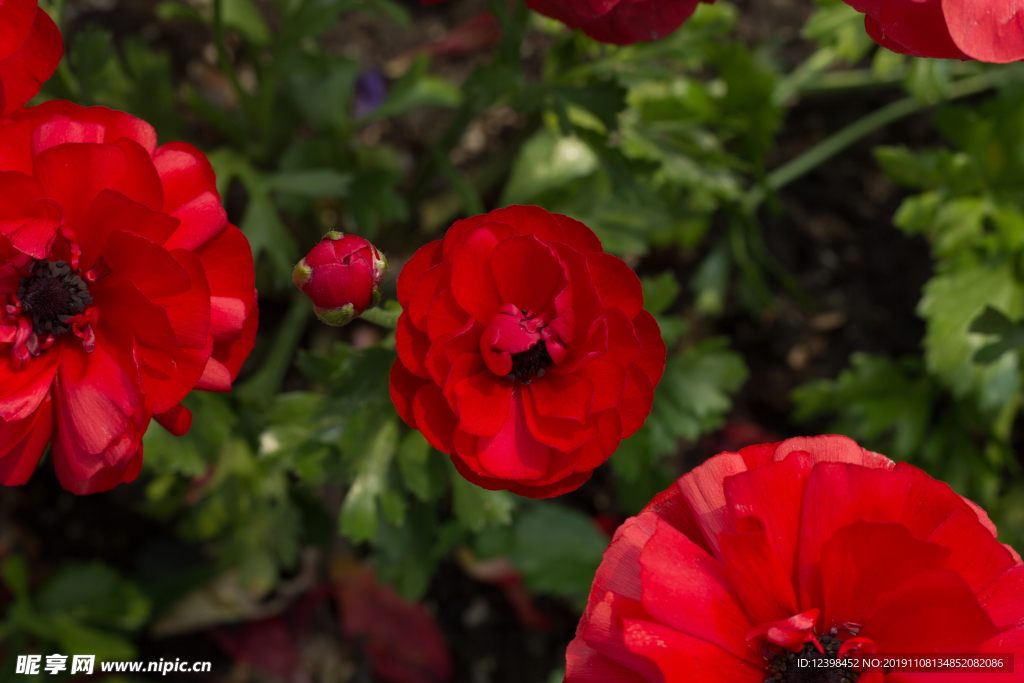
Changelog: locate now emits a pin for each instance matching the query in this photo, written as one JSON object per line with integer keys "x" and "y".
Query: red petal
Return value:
{"x": 74, "y": 174}
{"x": 227, "y": 259}
{"x": 652, "y": 347}
{"x": 563, "y": 396}
{"x": 142, "y": 182}
{"x": 616, "y": 284}
{"x": 609, "y": 436}
{"x": 184, "y": 172}
{"x": 762, "y": 581}
{"x": 527, "y": 273}
{"x": 637, "y": 400}
{"x": 445, "y": 316}
{"x": 403, "y": 386}
{"x": 202, "y": 219}
{"x": 838, "y": 494}
{"x": 583, "y": 664}
{"x": 460, "y": 230}
{"x": 434, "y": 418}
{"x": 1003, "y": 599}
{"x": 16, "y": 19}
{"x": 96, "y": 398}
{"x": 488, "y": 483}
{"x": 23, "y": 444}
{"x": 683, "y": 658}
{"x": 989, "y": 31}
{"x": 702, "y": 489}
{"x": 561, "y": 434}
{"x": 482, "y": 401}
{"x": 976, "y": 555}
{"x": 121, "y": 304}
{"x": 643, "y": 20}
{"x": 23, "y": 73}
{"x": 934, "y": 612}
{"x": 177, "y": 420}
{"x": 514, "y": 453}
{"x": 688, "y": 590}
{"x": 774, "y": 493}
{"x": 865, "y": 562}
{"x": 146, "y": 264}
{"x": 216, "y": 377}
{"x": 412, "y": 346}
{"x": 23, "y": 390}
{"x": 603, "y": 631}
{"x": 920, "y": 26}
{"x": 232, "y": 353}
{"x": 427, "y": 256}
{"x": 429, "y": 285}
{"x": 112, "y": 211}
{"x": 472, "y": 282}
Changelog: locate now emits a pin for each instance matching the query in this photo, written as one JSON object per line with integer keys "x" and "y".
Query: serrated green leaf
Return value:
{"x": 358, "y": 519}
{"x": 475, "y": 507}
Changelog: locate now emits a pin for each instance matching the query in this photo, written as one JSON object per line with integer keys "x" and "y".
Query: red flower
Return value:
{"x": 620, "y": 22}
{"x": 813, "y": 542}
{"x": 123, "y": 288}
{"x": 30, "y": 49}
{"x": 988, "y": 30}
{"x": 524, "y": 351}
{"x": 342, "y": 276}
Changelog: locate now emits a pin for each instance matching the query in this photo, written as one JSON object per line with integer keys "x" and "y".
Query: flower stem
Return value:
{"x": 266, "y": 382}
{"x": 382, "y": 316}
{"x": 837, "y": 142}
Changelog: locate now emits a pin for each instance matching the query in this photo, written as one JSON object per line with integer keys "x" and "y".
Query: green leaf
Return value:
{"x": 951, "y": 302}
{"x": 475, "y": 507}
{"x": 244, "y": 17}
{"x": 660, "y": 292}
{"x": 97, "y": 594}
{"x": 547, "y": 162}
{"x": 417, "y": 89}
{"x": 422, "y": 469}
{"x": 558, "y": 550}
{"x": 314, "y": 184}
{"x": 993, "y": 322}
{"x": 693, "y": 396}
{"x": 15, "y": 574}
{"x": 358, "y": 519}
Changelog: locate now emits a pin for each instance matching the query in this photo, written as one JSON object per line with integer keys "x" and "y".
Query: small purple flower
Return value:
{"x": 371, "y": 89}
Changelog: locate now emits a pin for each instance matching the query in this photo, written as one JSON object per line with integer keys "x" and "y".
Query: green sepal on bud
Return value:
{"x": 336, "y": 317}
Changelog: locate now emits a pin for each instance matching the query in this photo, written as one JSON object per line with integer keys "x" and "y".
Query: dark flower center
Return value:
{"x": 51, "y": 295}
{"x": 786, "y": 666}
{"x": 530, "y": 364}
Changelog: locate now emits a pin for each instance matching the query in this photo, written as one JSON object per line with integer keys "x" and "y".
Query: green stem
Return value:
{"x": 225, "y": 60}
{"x": 265, "y": 384}
{"x": 382, "y": 316}
{"x": 837, "y": 142}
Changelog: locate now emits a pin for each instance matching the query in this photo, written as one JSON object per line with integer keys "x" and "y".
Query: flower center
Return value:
{"x": 530, "y": 363}
{"x": 785, "y": 667}
{"x": 51, "y": 295}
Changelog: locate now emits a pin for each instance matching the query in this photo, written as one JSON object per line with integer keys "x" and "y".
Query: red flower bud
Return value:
{"x": 342, "y": 276}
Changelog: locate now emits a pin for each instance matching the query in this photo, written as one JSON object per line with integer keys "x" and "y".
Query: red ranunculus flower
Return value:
{"x": 341, "y": 275}
{"x": 812, "y": 545}
{"x": 620, "y": 22}
{"x": 524, "y": 351}
{"x": 30, "y": 49}
{"x": 987, "y": 30}
{"x": 123, "y": 287}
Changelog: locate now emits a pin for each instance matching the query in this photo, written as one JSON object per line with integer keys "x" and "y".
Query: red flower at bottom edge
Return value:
{"x": 811, "y": 543}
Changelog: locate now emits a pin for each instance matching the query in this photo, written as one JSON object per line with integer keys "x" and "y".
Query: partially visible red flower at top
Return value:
{"x": 620, "y": 22}
{"x": 813, "y": 546}
{"x": 987, "y": 30}
{"x": 30, "y": 49}
{"x": 122, "y": 287}
{"x": 524, "y": 351}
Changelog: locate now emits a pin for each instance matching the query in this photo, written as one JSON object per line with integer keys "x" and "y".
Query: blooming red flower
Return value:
{"x": 524, "y": 351}
{"x": 30, "y": 49}
{"x": 620, "y": 22}
{"x": 123, "y": 287}
{"x": 342, "y": 276}
{"x": 791, "y": 547}
{"x": 988, "y": 30}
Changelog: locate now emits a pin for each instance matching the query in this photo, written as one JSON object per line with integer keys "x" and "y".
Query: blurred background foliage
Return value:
{"x": 669, "y": 151}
